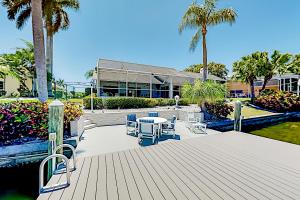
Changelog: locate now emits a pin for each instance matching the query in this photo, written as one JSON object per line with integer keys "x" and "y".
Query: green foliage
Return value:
{"x": 25, "y": 121}
{"x": 202, "y": 92}
{"x": 200, "y": 16}
{"x": 129, "y": 102}
{"x": 19, "y": 65}
{"x": 89, "y": 74}
{"x": 219, "y": 109}
{"x": 216, "y": 69}
{"x": 278, "y": 101}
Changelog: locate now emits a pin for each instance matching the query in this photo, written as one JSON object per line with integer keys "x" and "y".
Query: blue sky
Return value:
{"x": 147, "y": 32}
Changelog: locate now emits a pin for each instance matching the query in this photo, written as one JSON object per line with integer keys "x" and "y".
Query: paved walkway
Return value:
{"x": 221, "y": 166}
{"x": 109, "y": 139}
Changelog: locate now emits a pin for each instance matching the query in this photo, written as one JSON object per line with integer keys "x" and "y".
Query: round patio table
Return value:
{"x": 157, "y": 120}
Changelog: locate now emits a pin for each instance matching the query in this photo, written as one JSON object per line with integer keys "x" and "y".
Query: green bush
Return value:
{"x": 278, "y": 101}
{"x": 129, "y": 102}
{"x": 219, "y": 109}
{"x": 21, "y": 122}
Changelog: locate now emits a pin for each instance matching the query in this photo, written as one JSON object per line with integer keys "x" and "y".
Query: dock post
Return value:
{"x": 237, "y": 115}
{"x": 55, "y": 125}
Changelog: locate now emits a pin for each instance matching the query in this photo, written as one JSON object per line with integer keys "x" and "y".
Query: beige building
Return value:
{"x": 9, "y": 86}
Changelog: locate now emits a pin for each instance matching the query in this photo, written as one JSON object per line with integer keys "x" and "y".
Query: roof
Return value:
{"x": 139, "y": 69}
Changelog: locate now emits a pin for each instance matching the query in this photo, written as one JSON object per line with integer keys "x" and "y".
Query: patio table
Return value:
{"x": 157, "y": 120}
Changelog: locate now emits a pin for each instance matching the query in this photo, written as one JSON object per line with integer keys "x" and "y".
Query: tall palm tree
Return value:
{"x": 39, "y": 49}
{"x": 55, "y": 16}
{"x": 200, "y": 17}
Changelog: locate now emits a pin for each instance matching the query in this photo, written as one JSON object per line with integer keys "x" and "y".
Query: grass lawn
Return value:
{"x": 286, "y": 132}
{"x": 249, "y": 112}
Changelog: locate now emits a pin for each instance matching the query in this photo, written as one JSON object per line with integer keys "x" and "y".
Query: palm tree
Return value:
{"x": 60, "y": 82}
{"x": 200, "y": 17}
{"x": 204, "y": 92}
{"x": 55, "y": 17}
{"x": 89, "y": 74}
{"x": 39, "y": 49}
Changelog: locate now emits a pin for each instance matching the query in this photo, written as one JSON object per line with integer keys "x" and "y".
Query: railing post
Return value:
{"x": 56, "y": 125}
{"x": 237, "y": 115}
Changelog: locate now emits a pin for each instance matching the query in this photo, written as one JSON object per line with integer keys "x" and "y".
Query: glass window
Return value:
{"x": 1, "y": 85}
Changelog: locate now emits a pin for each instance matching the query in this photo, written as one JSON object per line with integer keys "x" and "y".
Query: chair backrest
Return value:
{"x": 146, "y": 126}
{"x": 199, "y": 116}
{"x": 173, "y": 120}
{"x": 153, "y": 114}
{"x": 131, "y": 117}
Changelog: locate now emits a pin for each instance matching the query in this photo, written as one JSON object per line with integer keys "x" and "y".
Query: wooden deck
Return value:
{"x": 224, "y": 166}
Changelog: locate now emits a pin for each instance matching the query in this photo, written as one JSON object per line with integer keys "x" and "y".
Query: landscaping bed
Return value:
{"x": 22, "y": 122}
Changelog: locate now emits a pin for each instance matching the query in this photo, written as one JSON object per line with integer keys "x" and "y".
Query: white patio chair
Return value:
{"x": 195, "y": 123}
{"x": 147, "y": 130}
{"x": 169, "y": 127}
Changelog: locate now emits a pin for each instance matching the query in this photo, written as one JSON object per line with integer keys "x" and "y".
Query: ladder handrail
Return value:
{"x": 73, "y": 153}
{"x": 42, "y": 188}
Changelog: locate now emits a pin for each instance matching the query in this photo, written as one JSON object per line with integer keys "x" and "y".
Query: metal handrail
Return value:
{"x": 73, "y": 154}
{"x": 43, "y": 188}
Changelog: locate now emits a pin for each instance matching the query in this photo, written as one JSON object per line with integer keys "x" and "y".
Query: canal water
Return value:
{"x": 19, "y": 183}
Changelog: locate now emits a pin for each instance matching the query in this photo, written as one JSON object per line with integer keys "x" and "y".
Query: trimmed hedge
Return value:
{"x": 21, "y": 122}
{"x": 129, "y": 102}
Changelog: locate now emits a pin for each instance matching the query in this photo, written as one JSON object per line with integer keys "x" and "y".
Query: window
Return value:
{"x": 1, "y": 85}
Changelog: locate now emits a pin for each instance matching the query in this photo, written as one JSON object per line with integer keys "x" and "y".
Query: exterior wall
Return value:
{"x": 12, "y": 85}
{"x": 238, "y": 86}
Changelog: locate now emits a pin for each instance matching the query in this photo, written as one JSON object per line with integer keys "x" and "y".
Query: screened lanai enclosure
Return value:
{"x": 115, "y": 78}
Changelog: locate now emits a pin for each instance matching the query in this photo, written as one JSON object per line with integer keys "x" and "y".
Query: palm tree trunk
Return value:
{"x": 49, "y": 61}
{"x": 39, "y": 49}
{"x": 252, "y": 91}
{"x": 204, "y": 55}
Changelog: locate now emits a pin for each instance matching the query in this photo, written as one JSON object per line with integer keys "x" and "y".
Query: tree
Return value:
{"x": 248, "y": 69}
{"x": 19, "y": 65}
{"x": 278, "y": 64}
{"x": 216, "y": 69}
{"x": 39, "y": 49}
{"x": 294, "y": 66}
{"x": 55, "y": 17}
{"x": 200, "y": 17}
{"x": 204, "y": 92}
{"x": 89, "y": 74}
{"x": 60, "y": 82}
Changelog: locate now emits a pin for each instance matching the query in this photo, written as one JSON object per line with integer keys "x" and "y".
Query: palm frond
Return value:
{"x": 195, "y": 40}
{"x": 23, "y": 17}
{"x": 227, "y": 15}
{"x": 193, "y": 17}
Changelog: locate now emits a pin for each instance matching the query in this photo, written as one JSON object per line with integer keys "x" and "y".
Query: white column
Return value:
{"x": 171, "y": 88}
{"x": 298, "y": 87}
{"x": 284, "y": 84}
{"x": 126, "y": 83}
{"x": 290, "y": 84}
{"x": 279, "y": 84}
{"x": 150, "y": 82}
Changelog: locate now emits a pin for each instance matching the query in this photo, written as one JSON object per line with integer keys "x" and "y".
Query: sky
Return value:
{"x": 146, "y": 32}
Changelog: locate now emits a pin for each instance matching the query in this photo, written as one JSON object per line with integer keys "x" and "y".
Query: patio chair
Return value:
{"x": 131, "y": 124}
{"x": 147, "y": 130}
{"x": 195, "y": 123}
{"x": 153, "y": 114}
{"x": 169, "y": 126}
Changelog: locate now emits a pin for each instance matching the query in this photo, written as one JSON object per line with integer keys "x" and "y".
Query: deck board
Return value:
{"x": 213, "y": 167}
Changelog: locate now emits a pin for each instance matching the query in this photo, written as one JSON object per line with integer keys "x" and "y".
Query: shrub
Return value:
{"x": 20, "y": 120}
{"x": 278, "y": 101}
{"x": 129, "y": 102}
{"x": 219, "y": 109}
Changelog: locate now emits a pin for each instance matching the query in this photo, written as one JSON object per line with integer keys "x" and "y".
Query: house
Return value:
{"x": 117, "y": 78}
{"x": 287, "y": 82}
{"x": 9, "y": 86}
